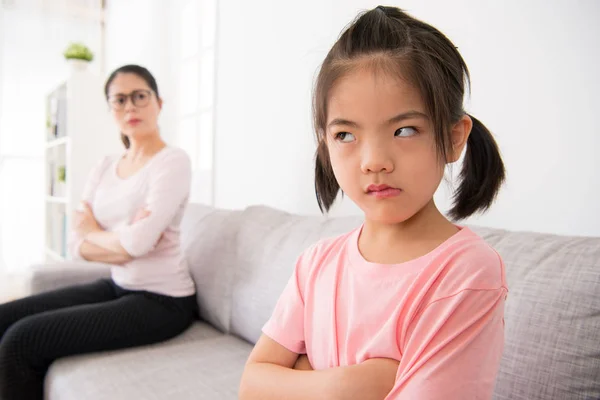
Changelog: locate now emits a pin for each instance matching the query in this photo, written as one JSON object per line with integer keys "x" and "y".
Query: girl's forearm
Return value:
{"x": 92, "y": 252}
{"x": 263, "y": 381}
{"x": 371, "y": 380}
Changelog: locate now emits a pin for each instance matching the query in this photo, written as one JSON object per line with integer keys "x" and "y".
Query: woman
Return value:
{"x": 130, "y": 214}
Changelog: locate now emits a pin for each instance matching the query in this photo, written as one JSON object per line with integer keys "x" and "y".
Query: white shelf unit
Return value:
{"x": 79, "y": 133}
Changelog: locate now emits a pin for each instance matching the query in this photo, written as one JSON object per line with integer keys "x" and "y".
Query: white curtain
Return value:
{"x": 33, "y": 36}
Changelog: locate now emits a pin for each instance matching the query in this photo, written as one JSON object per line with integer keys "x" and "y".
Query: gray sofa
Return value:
{"x": 241, "y": 261}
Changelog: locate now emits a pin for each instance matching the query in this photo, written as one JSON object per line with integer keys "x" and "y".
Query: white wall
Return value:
{"x": 143, "y": 32}
{"x": 173, "y": 42}
{"x": 535, "y": 84}
{"x": 32, "y": 41}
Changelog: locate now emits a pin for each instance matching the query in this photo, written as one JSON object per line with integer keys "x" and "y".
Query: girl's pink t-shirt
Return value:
{"x": 440, "y": 315}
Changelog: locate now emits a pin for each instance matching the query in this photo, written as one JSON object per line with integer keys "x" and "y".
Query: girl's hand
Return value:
{"x": 85, "y": 222}
{"x": 302, "y": 363}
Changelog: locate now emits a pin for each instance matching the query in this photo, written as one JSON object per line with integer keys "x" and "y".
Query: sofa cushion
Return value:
{"x": 200, "y": 364}
{"x": 268, "y": 243}
{"x": 208, "y": 241}
{"x": 552, "y": 346}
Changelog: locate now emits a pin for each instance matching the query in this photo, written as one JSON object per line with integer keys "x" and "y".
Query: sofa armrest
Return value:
{"x": 47, "y": 277}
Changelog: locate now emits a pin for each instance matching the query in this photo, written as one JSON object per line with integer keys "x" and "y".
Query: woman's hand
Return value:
{"x": 302, "y": 363}
{"x": 85, "y": 222}
{"x": 141, "y": 214}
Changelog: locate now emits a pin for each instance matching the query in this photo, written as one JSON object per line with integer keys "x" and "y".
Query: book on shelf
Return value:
{"x": 56, "y": 114}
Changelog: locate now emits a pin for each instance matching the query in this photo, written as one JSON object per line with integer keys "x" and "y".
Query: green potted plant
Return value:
{"x": 62, "y": 174}
{"x": 49, "y": 128}
{"x": 61, "y": 180}
{"x": 79, "y": 55}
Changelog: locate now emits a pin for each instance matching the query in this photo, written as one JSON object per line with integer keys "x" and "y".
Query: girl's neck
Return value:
{"x": 395, "y": 243}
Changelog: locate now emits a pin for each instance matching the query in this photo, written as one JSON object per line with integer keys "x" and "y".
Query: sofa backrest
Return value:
{"x": 269, "y": 243}
{"x": 241, "y": 260}
{"x": 552, "y": 316}
{"x": 208, "y": 239}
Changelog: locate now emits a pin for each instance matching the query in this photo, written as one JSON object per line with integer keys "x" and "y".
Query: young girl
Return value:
{"x": 409, "y": 305}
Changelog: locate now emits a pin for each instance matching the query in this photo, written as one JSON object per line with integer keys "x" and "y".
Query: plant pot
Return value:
{"x": 77, "y": 64}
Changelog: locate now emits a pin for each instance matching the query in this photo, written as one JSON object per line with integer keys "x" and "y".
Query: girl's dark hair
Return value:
{"x": 139, "y": 71}
{"x": 392, "y": 40}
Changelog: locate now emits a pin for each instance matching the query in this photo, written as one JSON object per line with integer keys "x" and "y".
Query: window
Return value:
{"x": 196, "y": 88}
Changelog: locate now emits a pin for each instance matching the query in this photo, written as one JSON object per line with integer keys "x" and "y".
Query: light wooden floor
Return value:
{"x": 13, "y": 286}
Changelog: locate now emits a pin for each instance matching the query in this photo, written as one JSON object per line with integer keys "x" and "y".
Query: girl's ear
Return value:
{"x": 459, "y": 136}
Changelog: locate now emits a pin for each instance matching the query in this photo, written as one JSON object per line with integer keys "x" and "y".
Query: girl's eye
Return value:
{"x": 345, "y": 137}
{"x": 406, "y": 131}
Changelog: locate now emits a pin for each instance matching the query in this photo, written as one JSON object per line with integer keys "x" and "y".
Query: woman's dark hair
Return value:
{"x": 390, "y": 39}
{"x": 139, "y": 71}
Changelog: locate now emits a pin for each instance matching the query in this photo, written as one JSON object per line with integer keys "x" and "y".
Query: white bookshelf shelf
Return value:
{"x": 56, "y": 142}
{"x": 77, "y": 135}
{"x": 57, "y": 199}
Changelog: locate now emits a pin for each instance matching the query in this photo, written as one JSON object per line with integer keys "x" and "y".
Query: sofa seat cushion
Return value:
{"x": 201, "y": 363}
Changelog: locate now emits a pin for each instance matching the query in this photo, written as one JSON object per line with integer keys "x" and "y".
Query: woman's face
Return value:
{"x": 135, "y": 106}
